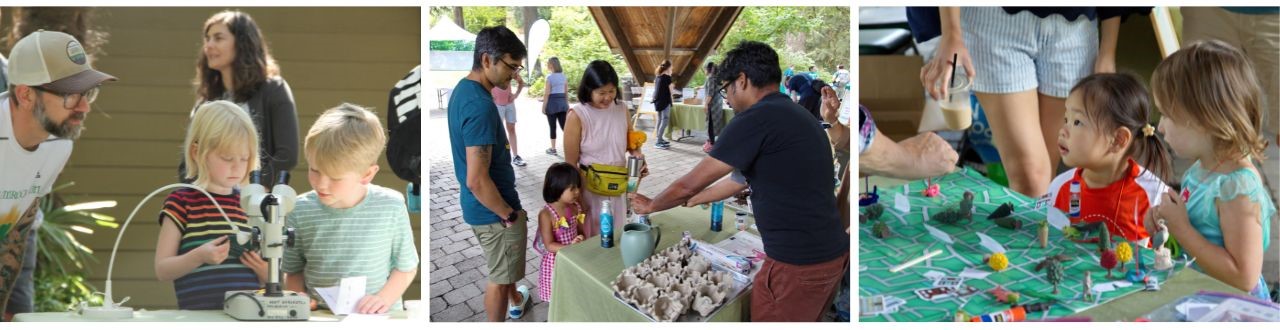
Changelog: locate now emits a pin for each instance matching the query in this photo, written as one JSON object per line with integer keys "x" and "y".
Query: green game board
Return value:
{"x": 910, "y": 240}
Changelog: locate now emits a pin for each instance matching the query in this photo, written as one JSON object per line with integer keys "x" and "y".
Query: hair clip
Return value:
{"x": 1148, "y": 131}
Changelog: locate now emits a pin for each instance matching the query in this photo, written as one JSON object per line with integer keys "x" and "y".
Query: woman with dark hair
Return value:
{"x": 715, "y": 114}
{"x": 235, "y": 65}
{"x": 596, "y": 134}
{"x": 663, "y": 89}
{"x": 554, "y": 101}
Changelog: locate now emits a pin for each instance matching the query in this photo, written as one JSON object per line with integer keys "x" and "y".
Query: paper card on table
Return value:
{"x": 342, "y": 299}
{"x": 938, "y": 234}
{"x": 990, "y": 244}
{"x": 933, "y": 274}
{"x": 357, "y": 317}
{"x": 974, "y": 273}
{"x": 901, "y": 203}
{"x": 1057, "y": 219}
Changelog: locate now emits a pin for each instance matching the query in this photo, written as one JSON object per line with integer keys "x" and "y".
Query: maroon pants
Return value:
{"x": 795, "y": 293}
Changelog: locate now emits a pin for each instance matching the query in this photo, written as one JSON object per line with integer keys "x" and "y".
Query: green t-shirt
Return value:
{"x": 369, "y": 239}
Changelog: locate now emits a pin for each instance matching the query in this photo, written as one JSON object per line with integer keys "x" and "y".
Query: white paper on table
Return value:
{"x": 357, "y": 317}
{"x": 990, "y": 244}
{"x": 938, "y": 234}
{"x": 901, "y": 203}
{"x": 974, "y": 273}
{"x": 342, "y": 299}
{"x": 933, "y": 274}
{"x": 1057, "y": 219}
{"x": 1104, "y": 287}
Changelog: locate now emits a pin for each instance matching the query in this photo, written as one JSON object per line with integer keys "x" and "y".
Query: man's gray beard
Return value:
{"x": 65, "y": 130}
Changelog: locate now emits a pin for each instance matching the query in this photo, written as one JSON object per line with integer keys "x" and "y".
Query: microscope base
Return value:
{"x": 254, "y": 306}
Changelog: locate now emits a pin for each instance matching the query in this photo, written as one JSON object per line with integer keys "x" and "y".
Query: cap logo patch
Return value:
{"x": 75, "y": 52}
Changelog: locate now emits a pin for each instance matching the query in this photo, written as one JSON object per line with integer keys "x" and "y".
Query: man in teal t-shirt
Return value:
{"x": 482, "y": 164}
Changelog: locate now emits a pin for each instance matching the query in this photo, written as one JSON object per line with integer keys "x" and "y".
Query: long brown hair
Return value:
{"x": 75, "y": 21}
{"x": 1115, "y": 100}
{"x": 1211, "y": 85}
{"x": 252, "y": 65}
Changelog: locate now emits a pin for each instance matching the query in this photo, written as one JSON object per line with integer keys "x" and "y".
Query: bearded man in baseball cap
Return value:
{"x": 51, "y": 87}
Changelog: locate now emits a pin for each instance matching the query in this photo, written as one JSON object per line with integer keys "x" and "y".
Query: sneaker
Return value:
{"x": 517, "y": 311}
{"x": 663, "y": 146}
{"x": 551, "y": 151}
{"x": 518, "y": 162}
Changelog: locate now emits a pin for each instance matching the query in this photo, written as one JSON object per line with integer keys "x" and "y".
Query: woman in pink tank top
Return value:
{"x": 596, "y": 133}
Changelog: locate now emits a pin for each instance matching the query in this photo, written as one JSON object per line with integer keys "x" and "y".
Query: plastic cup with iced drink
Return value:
{"x": 955, "y": 106}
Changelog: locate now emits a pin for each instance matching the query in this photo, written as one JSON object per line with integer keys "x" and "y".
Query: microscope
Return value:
{"x": 266, "y": 212}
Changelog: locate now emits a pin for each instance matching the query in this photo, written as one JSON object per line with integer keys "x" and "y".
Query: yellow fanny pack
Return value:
{"x": 605, "y": 180}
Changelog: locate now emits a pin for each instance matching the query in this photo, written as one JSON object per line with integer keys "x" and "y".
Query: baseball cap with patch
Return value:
{"x": 54, "y": 61}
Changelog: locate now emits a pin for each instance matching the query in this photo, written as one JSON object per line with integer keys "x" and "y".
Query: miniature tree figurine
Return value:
{"x": 1004, "y": 210}
{"x": 1124, "y": 253}
{"x": 880, "y": 230}
{"x": 873, "y": 212}
{"x": 1052, "y": 267}
{"x": 1107, "y": 261}
{"x": 1104, "y": 239}
{"x": 1044, "y": 233}
{"x": 953, "y": 216}
{"x": 998, "y": 261}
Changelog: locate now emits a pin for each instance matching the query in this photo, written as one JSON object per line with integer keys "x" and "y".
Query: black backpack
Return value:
{"x": 404, "y": 123}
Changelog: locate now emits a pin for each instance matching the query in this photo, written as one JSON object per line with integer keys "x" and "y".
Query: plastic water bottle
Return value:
{"x": 717, "y": 213}
{"x": 1074, "y": 210}
{"x": 606, "y": 225}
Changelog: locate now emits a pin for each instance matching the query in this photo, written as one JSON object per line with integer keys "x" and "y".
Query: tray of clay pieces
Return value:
{"x": 677, "y": 285}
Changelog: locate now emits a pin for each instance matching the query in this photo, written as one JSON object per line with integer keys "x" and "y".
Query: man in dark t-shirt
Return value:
{"x": 786, "y": 158}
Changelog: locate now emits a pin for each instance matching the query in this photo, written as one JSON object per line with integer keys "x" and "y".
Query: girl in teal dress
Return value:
{"x": 1211, "y": 105}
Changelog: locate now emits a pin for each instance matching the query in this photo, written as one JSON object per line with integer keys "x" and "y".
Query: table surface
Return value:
{"x": 585, "y": 270}
{"x": 1127, "y": 307}
{"x": 167, "y": 315}
{"x": 692, "y": 117}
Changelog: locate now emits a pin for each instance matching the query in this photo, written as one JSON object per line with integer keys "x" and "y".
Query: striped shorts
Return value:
{"x": 1018, "y": 52}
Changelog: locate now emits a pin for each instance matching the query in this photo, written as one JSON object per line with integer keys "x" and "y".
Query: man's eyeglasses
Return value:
{"x": 515, "y": 67}
{"x": 72, "y": 100}
{"x": 725, "y": 88}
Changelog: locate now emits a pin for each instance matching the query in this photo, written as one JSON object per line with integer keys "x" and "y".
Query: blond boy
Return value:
{"x": 347, "y": 226}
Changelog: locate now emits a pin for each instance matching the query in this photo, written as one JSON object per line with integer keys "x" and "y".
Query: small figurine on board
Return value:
{"x": 1160, "y": 236}
{"x": 1107, "y": 261}
{"x": 1123, "y": 254}
{"x": 1008, "y": 223}
{"x": 1004, "y": 295}
{"x": 1052, "y": 266}
{"x": 933, "y": 190}
{"x": 1004, "y": 210}
{"x": 997, "y": 261}
{"x": 1089, "y": 296}
{"x": 1043, "y": 233}
{"x": 953, "y": 216}
{"x": 872, "y": 212}
{"x": 1163, "y": 259}
{"x": 868, "y": 198}
{"x": 880, "y": 230}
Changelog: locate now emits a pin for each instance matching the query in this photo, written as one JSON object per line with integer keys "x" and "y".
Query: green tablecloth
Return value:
{"x": 691, "y": 117}
{"x": 1185, "y": 283}
{"x": 1125, "y": 308}
{"x": 580, "y": 287}
{"x": 174, "y": 316}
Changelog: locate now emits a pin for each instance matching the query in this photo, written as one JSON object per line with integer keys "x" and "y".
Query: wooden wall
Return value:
{"x": 132, "y": 142}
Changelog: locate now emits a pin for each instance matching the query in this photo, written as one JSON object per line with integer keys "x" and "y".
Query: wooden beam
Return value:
{"x": 609, "y": 19}
{"x": 673, "y": 51}
{"x": 671, "y": 34}
{"x": 710, "y": 39}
